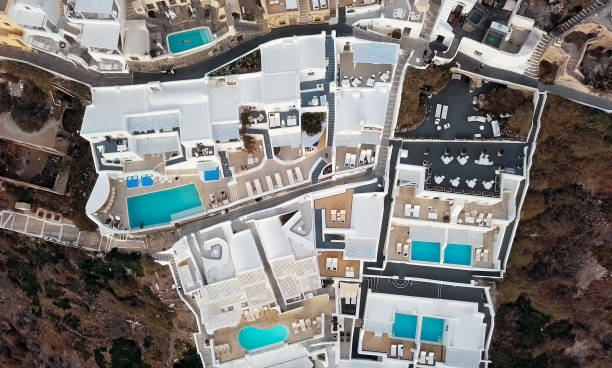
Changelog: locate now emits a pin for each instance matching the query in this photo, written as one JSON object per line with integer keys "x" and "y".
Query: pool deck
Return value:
{"x": 382, "y": 344}
{"x": 311, "y": 309}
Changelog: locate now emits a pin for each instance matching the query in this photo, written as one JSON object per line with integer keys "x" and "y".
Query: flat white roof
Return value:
{"x": 273, "y": 238}
{"x": 101, "y": 34}
{"x": 244, "y": 252}
{"x": 94, "y": 6}
{"x": 136, "y": 37}
{"x": 280, "y": 87}
{"x": 357, "y": 107}
{"x": 375, "y": 53}
{"x": 293, "y": 54}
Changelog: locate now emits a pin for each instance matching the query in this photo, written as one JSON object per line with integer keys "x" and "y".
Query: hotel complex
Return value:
{"x": 295, "y": 248}
{"x": 307, "y": 228}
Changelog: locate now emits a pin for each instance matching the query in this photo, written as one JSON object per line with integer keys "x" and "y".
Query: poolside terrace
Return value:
{"x": 398, "y": 234}
{"x": 288, "y": 153}
{"x": 438, "y": 350}
{"x": 311, "y": 309}
{"x": 343, "y": 268}
{"x": 383, "y": 342}
{"x": 431, "y": 209}
{"x": 241, "y": 161}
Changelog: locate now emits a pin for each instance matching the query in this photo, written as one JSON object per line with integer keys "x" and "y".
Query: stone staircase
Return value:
{"x": 330, "y": 54}
{"x": 534, "y": 62}
{"x": 396, "y": 90}
{"x": 233, "y": 192}
{"x": 430, "y": 18}
{"x": 304, "y": 11}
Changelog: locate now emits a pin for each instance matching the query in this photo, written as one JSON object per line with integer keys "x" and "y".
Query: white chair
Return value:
{"x": 298, "y": 173}
{"x": 393, "y": 350}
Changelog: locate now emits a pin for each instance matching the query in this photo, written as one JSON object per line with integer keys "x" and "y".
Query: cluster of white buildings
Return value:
{"x": 89, "y": 33}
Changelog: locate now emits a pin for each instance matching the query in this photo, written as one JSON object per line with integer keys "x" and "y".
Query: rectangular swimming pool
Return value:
{"x": 164, "y": 206}
{"x": 425, "y": 251}
{"x": 493, "y": 38}
{"x": 459, "y": 254}
{"x": 186, "y": 40}
{"x": 405, "y": 325}
{"x": 432, "y": 329}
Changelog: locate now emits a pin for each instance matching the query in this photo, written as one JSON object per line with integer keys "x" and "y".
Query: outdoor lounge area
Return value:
{"x": 333, "y": 264}
{"x": 384, "y": 343}
{"x": 337, "y": 209}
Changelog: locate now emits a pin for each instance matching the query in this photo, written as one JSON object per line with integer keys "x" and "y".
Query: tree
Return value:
{"x": 312, "y": 122}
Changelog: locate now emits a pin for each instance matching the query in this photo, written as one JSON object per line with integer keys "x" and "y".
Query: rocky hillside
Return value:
{"x": 63, "y": 307}
{"x": 553, "y": 306}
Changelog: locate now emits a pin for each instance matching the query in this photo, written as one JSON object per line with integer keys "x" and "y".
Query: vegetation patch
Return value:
{"x": 518, "y": 103}
{"x": 418, "y": 84}
{"x": 125, "y": 353}
{"x": 250, "y": 63}
{"x": 312, "y": 122}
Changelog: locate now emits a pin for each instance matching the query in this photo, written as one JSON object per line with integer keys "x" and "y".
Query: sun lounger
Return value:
{"x": 294, "y": 325}
{"x": 444, "y": 112}
{"x": 342, "y": 216}
{"x": 335, "y": 264}
{"x": 488, "y": 219}
{"x": 393, "y": 350}
{"x": 407, "y": 209}
{"x": 430, "y": 358}
{"x": 478, "y": 252}
{"x": 398, "y": 249}
{"x": 269, "y": 182}
{"x": 353, "y": 159}
{"x": 438, "y": 110}
{"x": 328, "y": 264}
{"x": 246, "y": 315}
{"x": 290, "y": 177}
{"x": 347, "y": 160}
{"x": 406, "y": 249}
{"x": 333, "y": 216}
{"x": 416, "y": 212}
{"x": 279, "y": 181}
{"x": 485, "y": 255}
{"x": 302, "y": 325}
{"x": 369, "y": 157}
{"x": 249, "y": 188}
{"x": 258, "y": 186}
{"x": 298, "y": 173}
{"x": 422, "y": 357}
{"x": 362, "y": 157}
{"x": 400, "y": 351}
{"x": 308, "y": 324}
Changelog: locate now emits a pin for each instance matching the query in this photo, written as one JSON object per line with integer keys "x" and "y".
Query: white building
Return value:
{"x": 86, "y": 32}
{"x": 223, "y": 274}
{"x": 424, "y": 327}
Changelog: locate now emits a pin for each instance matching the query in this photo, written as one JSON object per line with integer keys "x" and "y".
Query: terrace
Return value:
{"x": 383, "y": 344}
{"x": 242, "y": 161}
{"x": 398, "y": 234}
{"x": 311, "y": 309}
{"x": 340, "y": 267}
{"x": 458, "y": 120}
{"x": 465, "y": 167}
{"x": 356, "y": 74}
{"x": 352, "y": 157}
{"x": 433, "y": 209}
{"x": 333, "y": 206}
{"x": 439, "y": 352}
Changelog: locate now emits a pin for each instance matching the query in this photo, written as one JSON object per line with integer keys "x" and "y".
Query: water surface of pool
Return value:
{"x": 405, "y": 325}
{"x": 432, "y": 329}
{"x": 251, "y": 338}
{"x": 164, "y": 206}
{"x": 459, "y": 254}
{"x": 186, "y": 40}
{"x": 425, "y": 251}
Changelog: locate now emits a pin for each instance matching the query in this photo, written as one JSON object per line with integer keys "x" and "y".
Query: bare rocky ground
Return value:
{"x": 67, "y": 308}
{"x": 553, "y": 305}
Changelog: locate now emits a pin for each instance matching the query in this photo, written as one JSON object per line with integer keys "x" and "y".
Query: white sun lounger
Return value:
{"x": 353, "y": 159}
{"x": 430, "y": 358}
{"x": 393, "y": 350}
{"x": 335, "y": 264}
{"x": 347, "y": 159}
{"x": 290, "y": 176}
{"x": 444, "y": 112}
{"x": 406, "y": 249}
{"x": 438, "y": 110}
{"x": 400, "y": 350}
{"x": 485, "y": 255}
{"x": 369, "y": 156}
{"x": 407, "y": 209}
{"x": 279, "y": 181}
{"x": 298, "y": 173}
{"x": 362, "y": 157}
{"x": 269, "y": 182}
{"x": 416, "y": 211}
{"x": 257, "y": 186}
{"x": 249, "y": 188}
{"x": 422, "y": 357}
{"x": 399, "y": 249}
{"x": 478, "y": 251}
{"x": 328, "y": 264}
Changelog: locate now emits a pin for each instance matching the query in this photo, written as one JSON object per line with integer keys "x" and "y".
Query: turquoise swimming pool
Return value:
{"x": 405, "y": 325}
{"x": 459, "y": 254}
{"x": 163, "y": 206}
{"x": 425, "y": 251}
{"x": 252, "y": 338}
{"x": 432, "y": 329}
{"x": 493, "y": 38}
{"x": 187, "y": 40}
